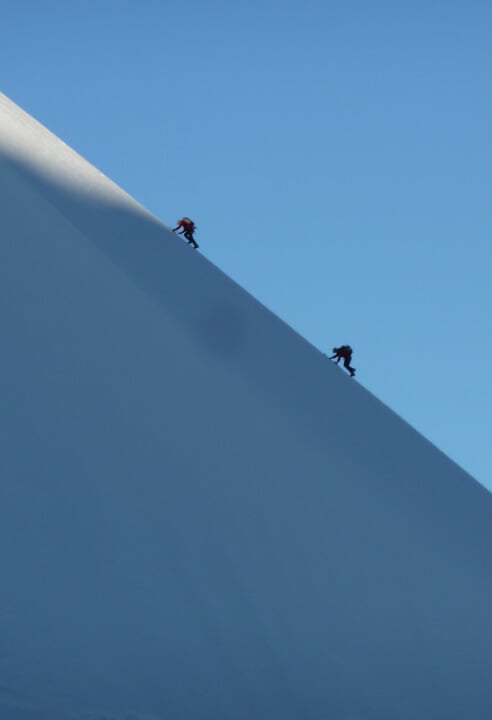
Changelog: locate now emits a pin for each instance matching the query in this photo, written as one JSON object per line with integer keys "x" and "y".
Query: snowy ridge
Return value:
{"x": 26, "y": 141}
{"x": 200, "y": 516}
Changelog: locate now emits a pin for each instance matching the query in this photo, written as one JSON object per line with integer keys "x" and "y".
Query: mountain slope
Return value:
{"x": 200, "y": 516}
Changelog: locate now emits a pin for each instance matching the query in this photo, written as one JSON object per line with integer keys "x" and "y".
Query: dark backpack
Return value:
{"x": 190, "y": 225}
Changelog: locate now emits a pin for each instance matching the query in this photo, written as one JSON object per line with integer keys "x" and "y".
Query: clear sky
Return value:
{"x": 335, "y": 156}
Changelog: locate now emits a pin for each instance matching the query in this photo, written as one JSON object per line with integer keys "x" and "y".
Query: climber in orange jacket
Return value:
{"x": 187, "y": 229}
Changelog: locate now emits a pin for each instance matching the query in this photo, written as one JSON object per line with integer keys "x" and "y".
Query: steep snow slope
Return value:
{"x": 200, "y": 516}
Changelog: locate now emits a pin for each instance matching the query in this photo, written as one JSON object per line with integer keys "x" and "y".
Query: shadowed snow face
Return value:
{"x": 200, "y": 516}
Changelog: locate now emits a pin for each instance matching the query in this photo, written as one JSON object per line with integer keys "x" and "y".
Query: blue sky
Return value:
{"x": 336, "y": 157}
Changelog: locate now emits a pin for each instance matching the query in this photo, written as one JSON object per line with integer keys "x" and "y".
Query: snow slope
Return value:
{"x": 200, "y": 516}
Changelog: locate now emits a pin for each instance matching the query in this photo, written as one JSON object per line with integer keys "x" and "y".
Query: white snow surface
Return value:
{"x": 201, "y": 517}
